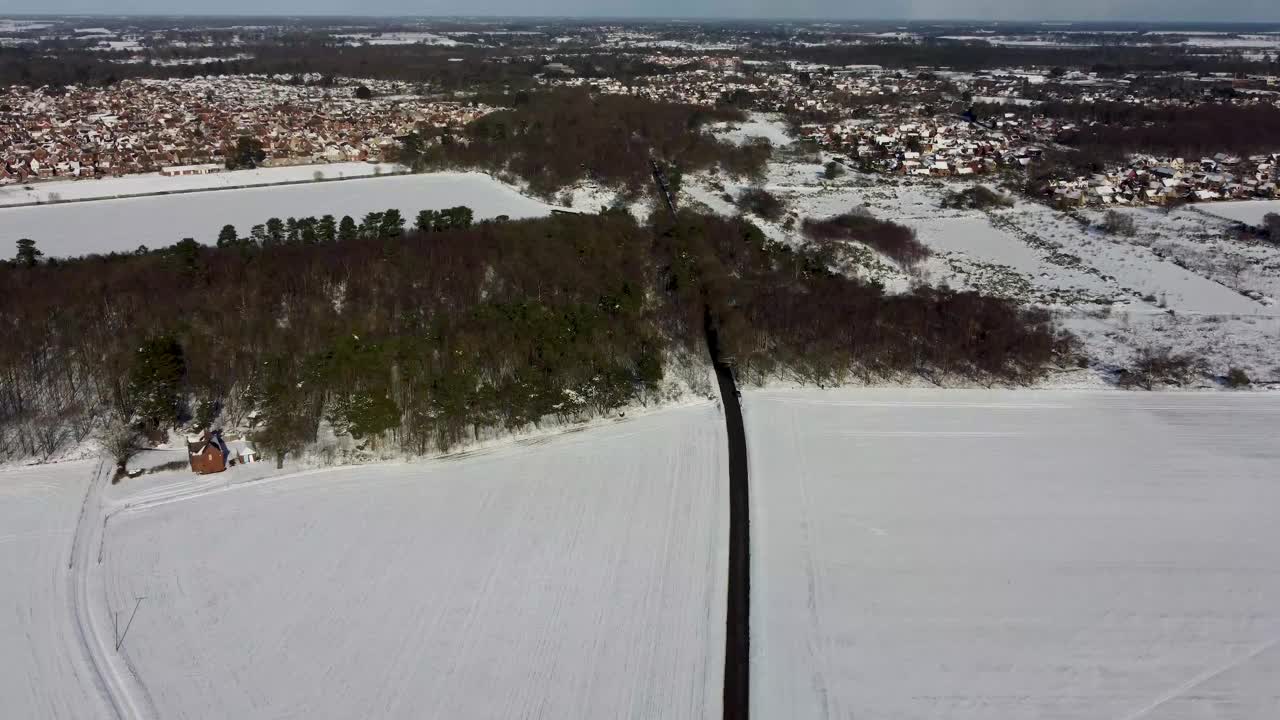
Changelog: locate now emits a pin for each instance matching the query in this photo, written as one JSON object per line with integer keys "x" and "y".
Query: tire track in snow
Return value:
{"x": 85, "y": 545}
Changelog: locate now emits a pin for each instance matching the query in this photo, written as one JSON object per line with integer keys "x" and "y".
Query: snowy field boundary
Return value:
{"x": 60, "y": 191}
{"x": 193, "y": 190}
{"x": 200, "y": 486}
{"x": 121, "y": 225}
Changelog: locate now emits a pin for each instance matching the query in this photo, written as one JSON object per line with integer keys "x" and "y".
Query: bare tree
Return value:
{"x": 1118, "y": 223}
{"x": 1236, "y": 265}
{"x": 121, "y": 440}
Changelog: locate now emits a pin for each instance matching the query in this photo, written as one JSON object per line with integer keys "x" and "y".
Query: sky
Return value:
{"x": 1147, "y": 10}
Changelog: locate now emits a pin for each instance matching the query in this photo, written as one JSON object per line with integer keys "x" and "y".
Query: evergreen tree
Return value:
{"x": 426, "y": 221}
{"x": 371, "y": 225}
{"x": 347, "y": 229}
{"x": 327, "y": 229}
{"x": 28, "y": 255}
{"x": 258, "y": 235}
{"x": 284, "y": 426}
{"x": 155, "y": 380}
{"x": 227, "y": 237}
{"x": 187, "y": 251}
{"x": 275, "y": 232}
{"x": 454, "y": 218}
{"x": 293, "y": 232}
{"x": 392, "y": 224}
{"x": 463, "y": 217}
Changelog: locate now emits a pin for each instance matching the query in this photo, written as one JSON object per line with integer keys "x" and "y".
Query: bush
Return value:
{"x": 1118, "y": 223}
{"x": 891, "y": 239}
{"x": 762, "y": 203}
{"x": 1160, "y": 367}
{"x": 1237, "y": 378}
{"x": 1271, "y": 225}
{"x": 978, "y": 197}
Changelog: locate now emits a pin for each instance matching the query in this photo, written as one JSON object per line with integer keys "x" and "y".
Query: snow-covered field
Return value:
{"x": 976, "y": 554}
{"x": 49, "y": 191}
{"x": 399, "y": 38}
{"x": 916, "y": 553}
{"x": 1249, "y": 212}
{"x": 44, "y": 673}
{"x": 571, "y": 576}
{"x": 757, "y": 125}
{"x": 124, "y": 224}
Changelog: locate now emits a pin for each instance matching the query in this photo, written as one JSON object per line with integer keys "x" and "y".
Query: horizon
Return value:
{"x": 692, "y": 18}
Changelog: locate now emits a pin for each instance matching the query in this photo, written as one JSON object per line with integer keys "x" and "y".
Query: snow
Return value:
{"x": 43, "y": 671}
{"x": 1184, "y": 282}
{"x": 579, "y": 575}
{"x": 1243, "y": 41}
{"x": 399, "y": 38}
{"x": 1249, "y": 212}
{"x": 916, "y": 553}
{"x": 970, "y": 252}
{"x": 7, "y": 25}
{"x": 1005, "y": 100}
{"x": 757, "y": 125}
{"x": 1247, "y": 342}
{"x": 124, "y": 224}
{"x": 1014, "y": 554}
{"x": 152, "y": 183}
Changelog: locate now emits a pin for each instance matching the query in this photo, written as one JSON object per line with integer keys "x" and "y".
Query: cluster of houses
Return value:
{"x": 940, "y": 146}
{"x": 1150, "y": 180}
{"x": 139, "y": 126}
{"x": 706, "y": 86}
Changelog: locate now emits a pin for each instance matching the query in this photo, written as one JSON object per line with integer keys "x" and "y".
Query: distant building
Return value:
{"x": 179, "y": 170}
{"x": 556, "y": 68}
{"x": 208, "y": 453}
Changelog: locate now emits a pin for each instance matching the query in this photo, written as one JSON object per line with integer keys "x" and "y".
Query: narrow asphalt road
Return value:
{"x": 737, "y": 649}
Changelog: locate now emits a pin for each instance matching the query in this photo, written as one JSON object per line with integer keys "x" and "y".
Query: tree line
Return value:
{"x": 431, "y": 66}
{"x": 557, "y": 138}
{"x": 889, "y": 238}
{"x": 1108, "y": 61}
{"x": 327, "y": 229}
{"x": 425, "y": 339}
{"x": 1111, "y": 131}
{"x": 435, "y": 68}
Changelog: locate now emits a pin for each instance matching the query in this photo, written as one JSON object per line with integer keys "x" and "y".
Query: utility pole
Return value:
{"x": 116, "y": 622}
